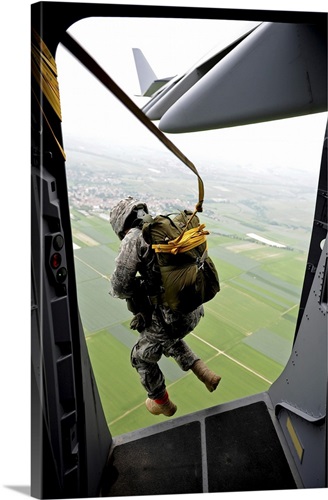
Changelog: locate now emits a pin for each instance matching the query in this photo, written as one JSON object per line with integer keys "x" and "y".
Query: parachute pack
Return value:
{"x": 189, "y": 276}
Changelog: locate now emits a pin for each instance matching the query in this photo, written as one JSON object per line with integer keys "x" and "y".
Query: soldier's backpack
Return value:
{"x": 189, "y": 276}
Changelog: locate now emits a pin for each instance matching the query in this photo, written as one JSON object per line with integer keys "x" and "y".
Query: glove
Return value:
{"x": 138, "y": 322}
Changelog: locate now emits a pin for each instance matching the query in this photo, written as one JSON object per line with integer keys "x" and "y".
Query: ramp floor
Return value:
{"x": 236, "y": 450}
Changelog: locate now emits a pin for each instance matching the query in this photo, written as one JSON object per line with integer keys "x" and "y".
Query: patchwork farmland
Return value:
{"x": 247, "y": 332}
{"x": 245, "y": 336}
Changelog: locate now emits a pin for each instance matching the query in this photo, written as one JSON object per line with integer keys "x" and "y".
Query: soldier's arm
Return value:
{"x": 124, "y": 276}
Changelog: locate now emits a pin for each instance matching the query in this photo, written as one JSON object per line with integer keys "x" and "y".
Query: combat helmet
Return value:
{"x": 126, "y": 214}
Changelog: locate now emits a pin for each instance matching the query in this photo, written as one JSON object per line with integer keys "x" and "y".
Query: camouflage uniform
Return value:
{"x": 161, "y": 330}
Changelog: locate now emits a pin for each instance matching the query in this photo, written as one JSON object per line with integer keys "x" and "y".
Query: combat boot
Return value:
{"x": 163, "y": 406}
{"x": 205, "y": 375}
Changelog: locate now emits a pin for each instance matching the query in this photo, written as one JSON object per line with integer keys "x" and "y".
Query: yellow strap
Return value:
{"x": 44, "y": 71}
{"x": 78, "y": 51}
{"x": 189, "y": 239}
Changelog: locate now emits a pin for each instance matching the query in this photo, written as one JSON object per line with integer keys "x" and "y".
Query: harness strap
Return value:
{"x": 75, "y": 48}
{"x": 156, "y": 300}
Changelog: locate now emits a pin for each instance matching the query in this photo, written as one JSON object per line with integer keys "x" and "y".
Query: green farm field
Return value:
{"x": 246, "y": 335}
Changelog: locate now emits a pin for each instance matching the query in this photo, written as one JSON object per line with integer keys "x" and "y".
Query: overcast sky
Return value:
{"x": 171, "y": 47}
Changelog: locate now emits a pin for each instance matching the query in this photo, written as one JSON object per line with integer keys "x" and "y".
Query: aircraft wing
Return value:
{"x": 278, "y": 70}
{"x": 165, "y": 92}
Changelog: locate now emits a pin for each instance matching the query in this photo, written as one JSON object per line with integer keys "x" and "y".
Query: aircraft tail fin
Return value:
{"x": 148, "y": 81}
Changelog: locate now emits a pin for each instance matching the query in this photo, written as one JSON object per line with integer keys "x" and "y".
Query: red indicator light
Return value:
{"x": 55, "y": 260}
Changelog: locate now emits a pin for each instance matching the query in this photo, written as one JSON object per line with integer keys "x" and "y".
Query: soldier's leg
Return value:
{"x": 181, "y": 353}
{"x": 188, "y": 360}
{"x": 144, "y": 358}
